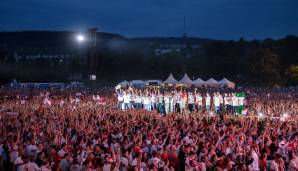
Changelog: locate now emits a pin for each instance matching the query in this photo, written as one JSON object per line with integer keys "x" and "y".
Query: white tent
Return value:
{"x": 211, "y": 82}
{"x": 185, "y": 80}
{"x": 227, "y": 83}
{"x": 123, "y": 83}
{"x": 137, "y": 83}
{"x": 198, "y": 82}
{"x": 170, "y": 80}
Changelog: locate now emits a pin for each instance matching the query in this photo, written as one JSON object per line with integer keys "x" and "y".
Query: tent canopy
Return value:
{"x": 137, "y": 82}
{"x": 227, "y": 83}
{"x": 170, "y": 80}
{"x": 123, "y": 83}
{"x": 211, "y": 82}
{"x": 198, "y": 81}
{"x": 185, "y": 80}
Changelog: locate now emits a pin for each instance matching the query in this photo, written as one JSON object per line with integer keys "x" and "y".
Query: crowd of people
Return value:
{"x": 73, "y": 130}
{"x": 180, "y": 101}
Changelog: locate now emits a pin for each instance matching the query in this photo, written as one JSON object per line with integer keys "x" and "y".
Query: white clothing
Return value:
{"x": 126, "y": 98}
{"x": 191, "y": 99}
{"x": 43, "y": 168}
{"x": 216, "y": 101}
{"x": 208, "y": 101}
{"x": 227, "y": 100}
{"x": 255, "y": 164}
{"x": 120, "y": 98}
{"x": 199, "y": 100}
{"x": 234, "y": 101}
{"x": 31, "y": 167}
{"x": 272, "y": 165}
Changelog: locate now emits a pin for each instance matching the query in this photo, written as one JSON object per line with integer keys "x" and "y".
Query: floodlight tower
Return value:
{"x": 91, "y": 60}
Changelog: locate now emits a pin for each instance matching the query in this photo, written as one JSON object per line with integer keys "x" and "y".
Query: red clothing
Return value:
{"x": 173, "y": 159}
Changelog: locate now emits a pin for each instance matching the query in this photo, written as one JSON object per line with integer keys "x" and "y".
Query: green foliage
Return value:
{"x": 292, "y": 74}
{"x": 264, "y": 66}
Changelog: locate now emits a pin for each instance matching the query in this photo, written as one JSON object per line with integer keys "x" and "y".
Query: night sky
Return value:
{"x": 219, "y": 19}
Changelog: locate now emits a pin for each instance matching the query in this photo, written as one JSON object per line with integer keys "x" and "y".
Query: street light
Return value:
{"x": 89, "y": 39}
{"x": 80, "y": 38}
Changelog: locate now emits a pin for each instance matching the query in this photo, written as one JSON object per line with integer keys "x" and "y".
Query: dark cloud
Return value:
{"x": 221, "y": 19}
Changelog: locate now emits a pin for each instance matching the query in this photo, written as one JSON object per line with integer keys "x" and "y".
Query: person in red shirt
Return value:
{"x": 173, "y": 158}
{"x": 263, "y": 160}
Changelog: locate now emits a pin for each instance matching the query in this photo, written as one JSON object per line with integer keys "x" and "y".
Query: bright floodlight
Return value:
{"x": 80, "y": 38}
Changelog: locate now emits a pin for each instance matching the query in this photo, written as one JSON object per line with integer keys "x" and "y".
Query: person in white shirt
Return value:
{"x": 132, "y": 101}
{"x": 234, "y": 103}
{"x": 221, "y": 102}
{"x": 254, "y": 166}
{"x": 138, "y": 101}
{"x": 172, "y": 103}
{"x": 167, "y": 103}
{"x": 126, "y": 100}
{"x": 161, "y": 104}
{"x": 240, "y": 104}
{"x": 120, "y": 104}
{"x": 207, "y": 101}
{"x": 191, "y": 102}
{"x": 226, "y": 102}
{"x": 199, "y": 102}
{"x": 183, "y": 101}
{"x": 216, "y": 103}
{"x": 153, "y": 101}
{"x": 146, "y": 102}
{"x": 31, "y": 166}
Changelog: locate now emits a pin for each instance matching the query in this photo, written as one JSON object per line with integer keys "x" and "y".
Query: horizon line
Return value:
{"x": 154, "y": 36}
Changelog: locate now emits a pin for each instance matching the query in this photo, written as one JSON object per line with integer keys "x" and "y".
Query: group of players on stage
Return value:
{"x": 182, "y": 101}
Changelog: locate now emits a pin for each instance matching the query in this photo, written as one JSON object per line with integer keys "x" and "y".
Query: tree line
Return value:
{"x": 248, "y": 63}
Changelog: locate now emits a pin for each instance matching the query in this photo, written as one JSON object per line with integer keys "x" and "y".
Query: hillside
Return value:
{"x": 57, "y": 42}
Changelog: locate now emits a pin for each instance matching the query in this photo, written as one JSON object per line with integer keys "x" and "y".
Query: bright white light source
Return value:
{"x": 285, "y": 115}
{"x": 92, "y": 77}
{"x": 260, "y": 114}
{"x": 80, "y": 38}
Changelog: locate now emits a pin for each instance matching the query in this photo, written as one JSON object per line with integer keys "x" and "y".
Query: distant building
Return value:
{"x": 39, "y": 56}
